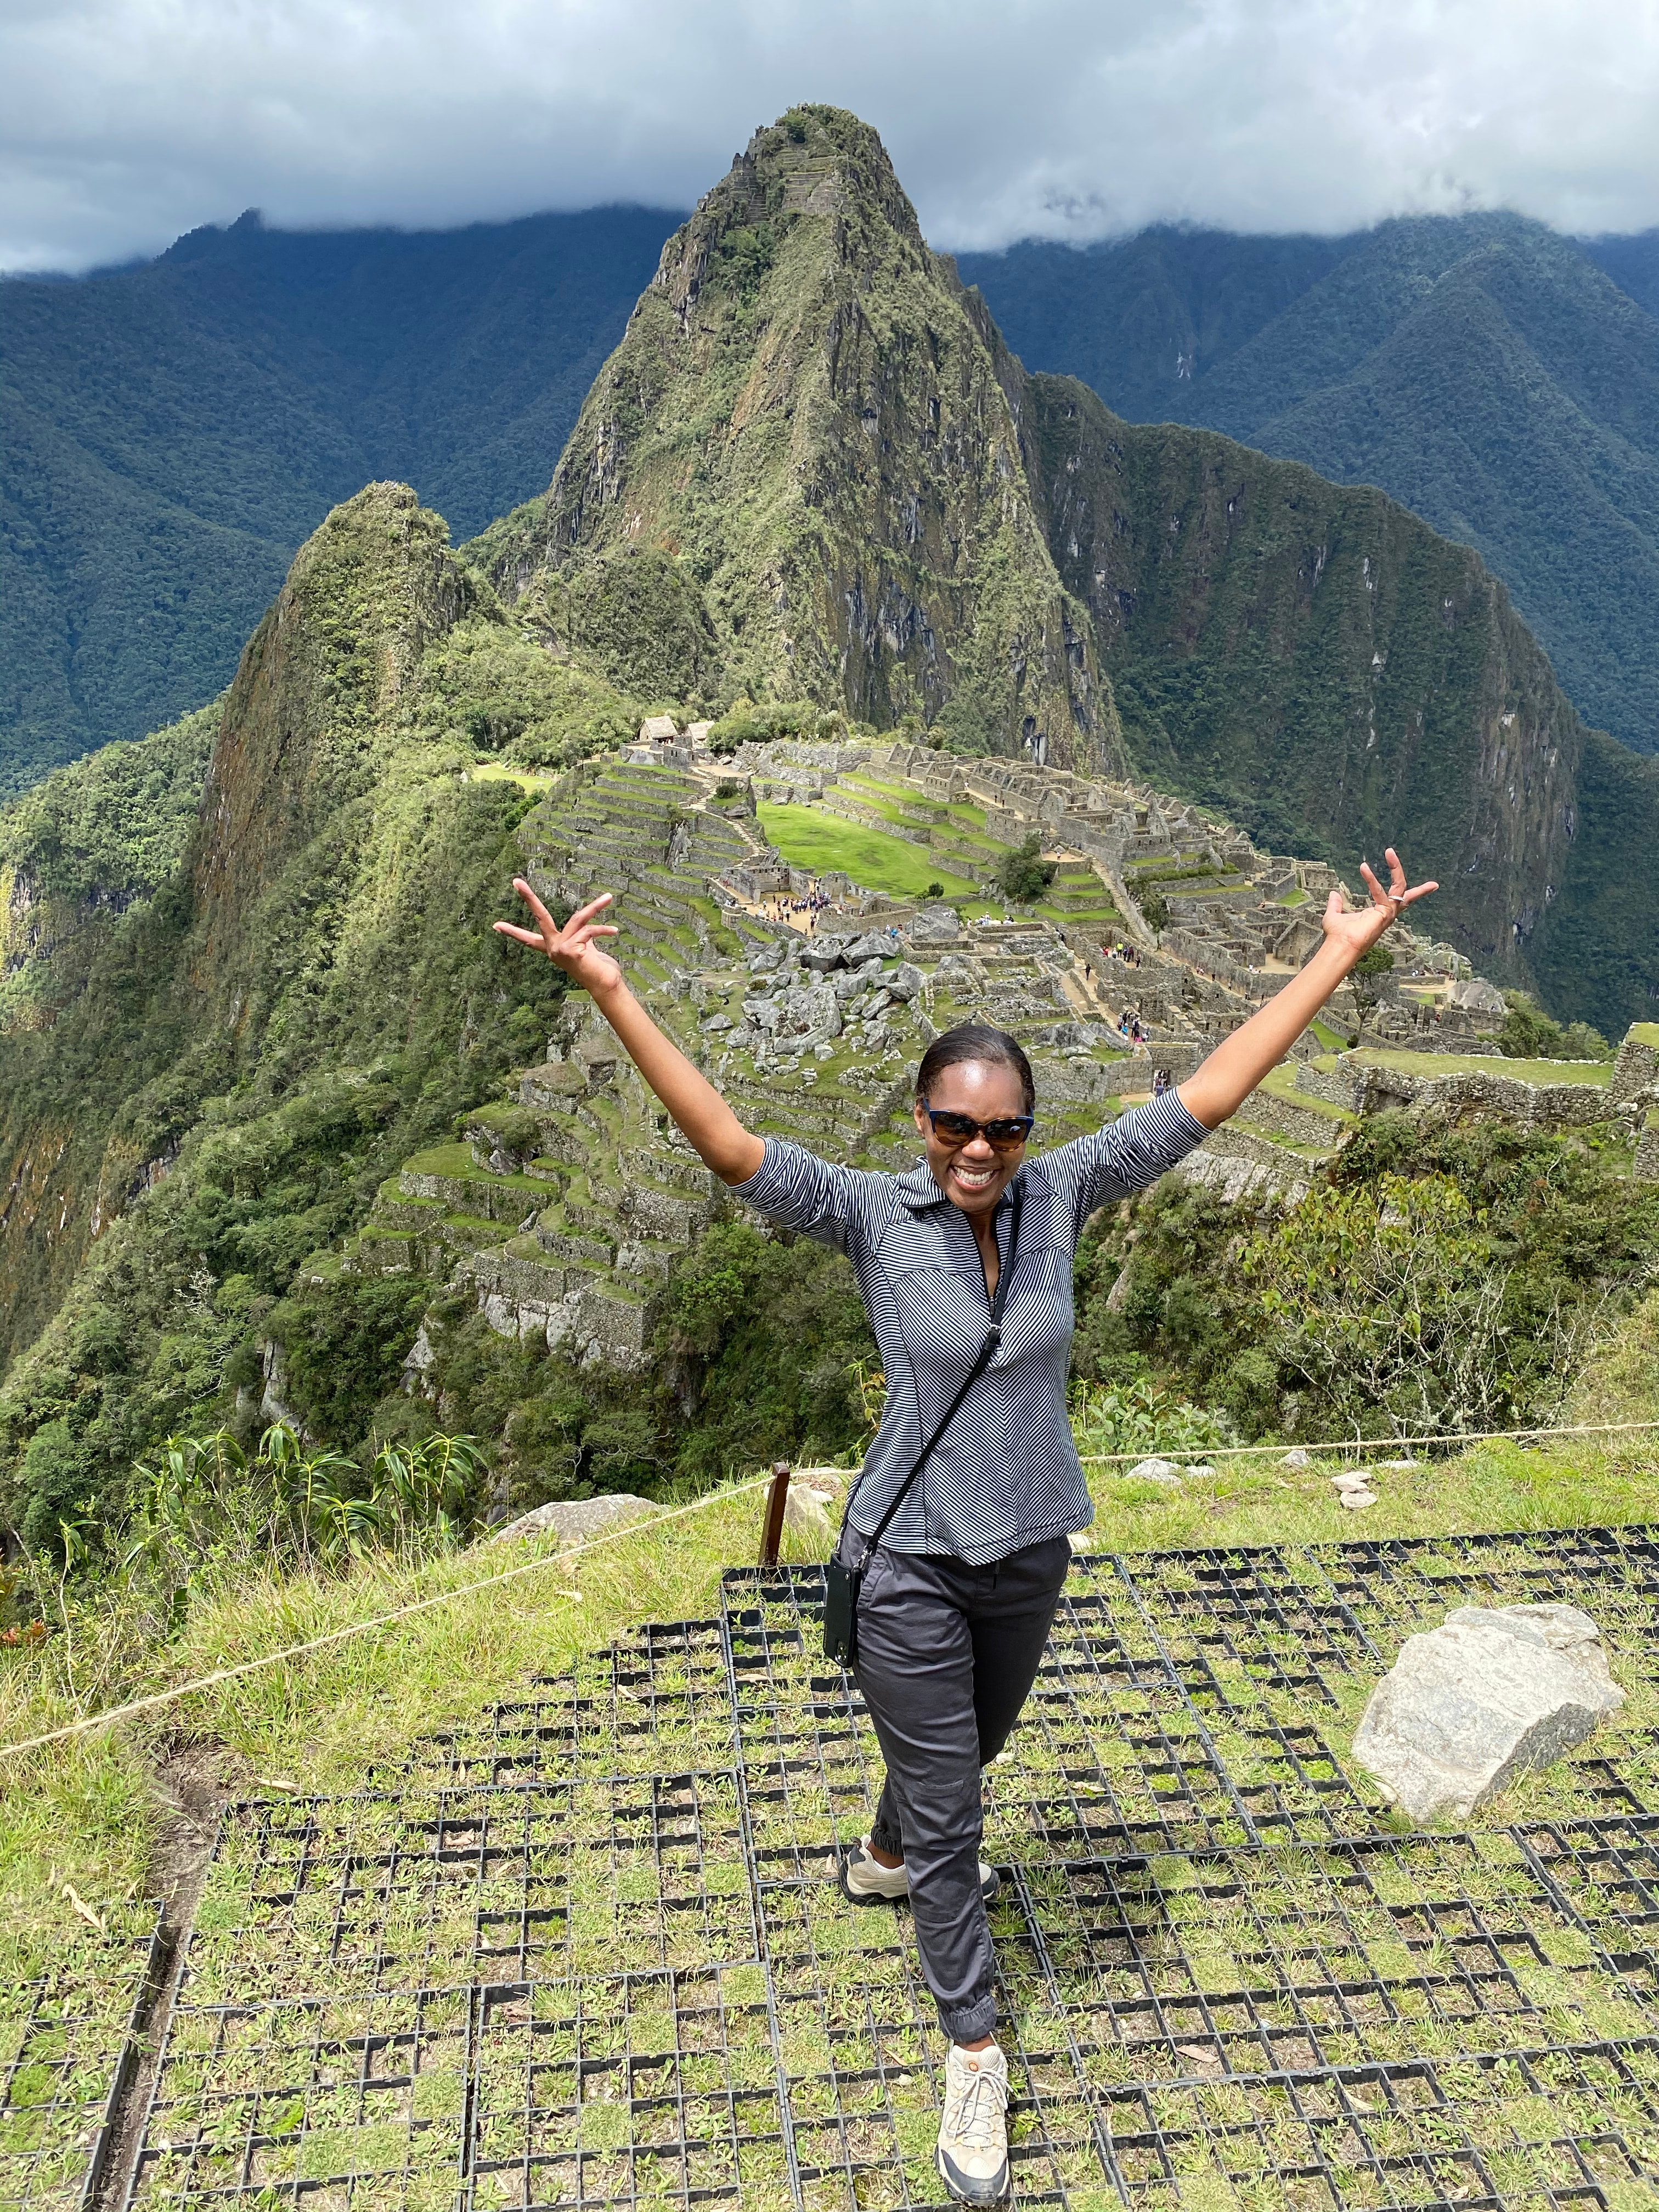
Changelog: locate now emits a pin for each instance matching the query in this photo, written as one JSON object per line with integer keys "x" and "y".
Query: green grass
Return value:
{"x": 496, "y": 772}
{"x": 809, "y": 839}
{"x": 1280, "y": 1083}
{"x": 1327, "y": 1037}
{"x": 1430, "y": 1064}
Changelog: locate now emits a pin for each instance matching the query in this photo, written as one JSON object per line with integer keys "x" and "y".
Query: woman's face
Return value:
{"x": 975, "y": 1174}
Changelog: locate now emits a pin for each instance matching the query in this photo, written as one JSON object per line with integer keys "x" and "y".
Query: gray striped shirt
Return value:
{"x": 1005, "y": 1473}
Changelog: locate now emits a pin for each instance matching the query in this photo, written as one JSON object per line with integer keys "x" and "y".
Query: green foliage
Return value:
{"x": 206, "y": 1507}
{"x": 370, "y": 1057}
{"x": 969, "y": 728}
{"x": 638, "y": 616}
{"x": 491, "y": 688}
{"x": 1436, "y": 1278}
{"x": 1139, "y": 1416}
{"x": 757, "y": 1357}
{"x": 746, "y": 724}
{"x": 1481, "y": 368}
{"x": 164, "y": 448}
{"x": 1023, "y": 875}
{"x": 1529, "y": 1033}
{"x": 116, "y": 826}
{"x": 343, "y": 1341}
{"x": 1367, "y": 973}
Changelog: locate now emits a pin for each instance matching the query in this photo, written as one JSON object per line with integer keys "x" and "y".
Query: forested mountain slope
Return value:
{"x": 170, "y": 434}
{"x": 1487, "y": 372}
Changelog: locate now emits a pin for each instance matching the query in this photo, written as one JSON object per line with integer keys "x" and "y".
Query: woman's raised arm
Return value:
{"x": 711, "y": 1129}
{"x": 1226, "y": 1078}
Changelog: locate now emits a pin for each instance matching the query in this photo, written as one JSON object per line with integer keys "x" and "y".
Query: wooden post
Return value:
{"x": 772, "y": 1527}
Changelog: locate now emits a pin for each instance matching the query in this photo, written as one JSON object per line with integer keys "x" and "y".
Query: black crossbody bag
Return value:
{"x": 843, "y": 1583}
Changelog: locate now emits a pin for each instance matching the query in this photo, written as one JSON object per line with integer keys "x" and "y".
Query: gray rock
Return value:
{"x": 1297, "y": 1458}
{"x": 1155, "y": 1470}
{"x": 933, "y": 925}
{"x": 575, "y": 1520}
{"x": 874, "y": 945}
{"x": 1486, "y": 1697}
{"x": 847, "y": 985}
{"x": 823, "y": 953}
{"x": 905, "y": 981}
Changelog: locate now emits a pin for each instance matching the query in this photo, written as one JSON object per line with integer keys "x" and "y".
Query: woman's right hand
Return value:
{"x": 574, "y": 948}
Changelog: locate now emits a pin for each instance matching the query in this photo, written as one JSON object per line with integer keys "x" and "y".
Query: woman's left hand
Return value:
{"x": 1354, "y": 934}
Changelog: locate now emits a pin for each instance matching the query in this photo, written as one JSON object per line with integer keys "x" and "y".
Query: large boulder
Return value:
{"x": 1489, "y": 1694}
{"x": 933, "y": 925}
{"x": 574, "y": 1521}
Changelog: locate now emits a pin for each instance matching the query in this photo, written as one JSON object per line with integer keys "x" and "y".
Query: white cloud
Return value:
{"x": 124, "y": 122}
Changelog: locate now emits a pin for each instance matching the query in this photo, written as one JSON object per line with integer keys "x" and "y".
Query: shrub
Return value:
{"x": 1529, "y": 1033}
{"x": 1023, "y": 875}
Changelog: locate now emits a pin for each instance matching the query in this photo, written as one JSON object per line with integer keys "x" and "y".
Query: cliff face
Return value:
{"x": 310, "y": 718}
{"x": 1316, "y": 661}
{"x": 156, "y": 951}
{"x": 805, "y": 414}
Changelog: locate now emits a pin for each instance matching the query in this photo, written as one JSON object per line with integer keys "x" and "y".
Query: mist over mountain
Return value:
{"x": 1500, "y": 381}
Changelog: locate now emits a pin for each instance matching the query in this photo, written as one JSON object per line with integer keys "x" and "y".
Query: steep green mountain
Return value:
{"x": 1484, "y": 371}
{"x": 807, "y": 415}
{"x": 170, "y": 434}
{"x": 1317, "y": 662}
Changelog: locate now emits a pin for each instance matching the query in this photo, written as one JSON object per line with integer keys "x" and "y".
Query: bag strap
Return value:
{"x": 992, "y": 1339}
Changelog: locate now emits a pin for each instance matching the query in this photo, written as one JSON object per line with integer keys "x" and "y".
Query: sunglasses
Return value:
{"x": 1005, "y": 1133}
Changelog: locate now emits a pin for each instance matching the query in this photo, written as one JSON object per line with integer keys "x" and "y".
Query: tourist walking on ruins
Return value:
{"x": 954, "y": 1544}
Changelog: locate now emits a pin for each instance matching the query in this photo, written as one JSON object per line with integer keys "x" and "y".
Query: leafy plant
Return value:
{"x": 1022, "y": 875}
{"x": 1529, "y": 1033}
{"x": 1143, "y": 1417}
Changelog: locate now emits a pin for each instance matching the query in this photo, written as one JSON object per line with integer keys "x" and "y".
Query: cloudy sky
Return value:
{"x": 126, "y": 122}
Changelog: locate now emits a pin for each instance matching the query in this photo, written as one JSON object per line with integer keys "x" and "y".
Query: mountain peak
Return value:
{"x": 811, "y": 418}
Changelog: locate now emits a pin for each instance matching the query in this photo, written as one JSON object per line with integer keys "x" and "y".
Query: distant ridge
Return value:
{"x": 171, "y": 433}
{"x": 1489, "y": 373}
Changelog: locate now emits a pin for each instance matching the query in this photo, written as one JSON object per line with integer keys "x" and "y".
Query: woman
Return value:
{"x": 956, "y": 1597}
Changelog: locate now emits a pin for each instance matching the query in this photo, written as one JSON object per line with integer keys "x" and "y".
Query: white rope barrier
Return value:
{"x": 562, "y": 1558}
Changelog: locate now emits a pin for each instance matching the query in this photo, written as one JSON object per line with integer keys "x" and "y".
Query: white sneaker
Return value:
{"x": 972, "y": 2156}
{"x": 865, "y": 1880}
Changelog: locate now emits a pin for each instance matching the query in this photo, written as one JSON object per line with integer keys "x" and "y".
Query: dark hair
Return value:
{"x": 975, "y": 1041}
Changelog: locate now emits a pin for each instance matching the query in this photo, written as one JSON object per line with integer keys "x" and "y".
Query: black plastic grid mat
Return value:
{"x": 862, "y": 2059}
{"x": 659, "y": 2088}
{"x": 416, "y": 1889}
{"x": 1297, "y": 1960}
{"x": 67, "y": 2044}
{"x": 1303, "y": 1623}
{"x": 1533, "y": 2131}
{"x": 340, "y": 2105}
{"x": 1198, "y": 1699}
{"x": 1225, "y": 1984}
{"x": 648, "y": 1704}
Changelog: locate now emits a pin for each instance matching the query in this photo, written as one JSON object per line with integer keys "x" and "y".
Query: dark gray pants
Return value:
{"x": 946, "y": 1657}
